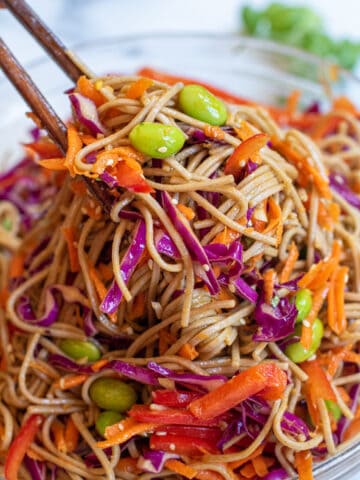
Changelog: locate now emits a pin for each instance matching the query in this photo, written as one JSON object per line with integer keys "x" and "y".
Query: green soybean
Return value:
{"x": 199, "y": 103}
{"x": 334, "y": 409}
{"x": 105, "y": 419}
{"x": 77, "y": 349}
{"x": 157, "y": 140}
{"x": 296, "y": 352}
{"x": 303, "y": 303}
{"x": 112, "y": 394}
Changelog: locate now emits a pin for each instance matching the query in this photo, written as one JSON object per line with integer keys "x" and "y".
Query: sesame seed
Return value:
{"x": 306, "y": 323}
{"x": 162, "y": 149}
{"x": 172, "y": 446}
{"x": 120, "y": 426}
{"x": 175, "y": 201}
{"x": 160, "y": 434}
{"x": 206, "y": 267}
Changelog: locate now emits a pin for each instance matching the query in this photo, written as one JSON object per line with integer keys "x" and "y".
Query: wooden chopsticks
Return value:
{"x": 30, "y": 92}
{"x": 47, "y": 39}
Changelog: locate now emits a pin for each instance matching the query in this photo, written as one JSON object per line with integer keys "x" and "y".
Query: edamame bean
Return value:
{"x": 334, "y": 409}
{"x": 296, "y": 352}
{"x": 303, "y": 303}
{"x": 77, "y": 349}
{"x": 157, "y": 140}
{"x": 105, "y": 419}
{"x": 199, "y": 103}
{"x": 112, "y": 394}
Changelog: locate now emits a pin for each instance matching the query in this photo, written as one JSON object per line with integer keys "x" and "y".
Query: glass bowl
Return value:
{"x": 256, "y": 69}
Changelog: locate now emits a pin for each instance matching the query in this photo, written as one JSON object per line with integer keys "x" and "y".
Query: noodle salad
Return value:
{"x": 201, "y": 322}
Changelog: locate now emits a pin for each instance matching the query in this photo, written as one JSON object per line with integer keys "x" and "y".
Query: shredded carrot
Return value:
{"x": 71, "y": 436}
{"x": 58, "y": 431}
{"x": 239, "y": 463}
{"x": 275, "y": 220}
{"x": 188, "y": 351}
{"x": 4, "y": 295}
{"x": 16, "y": 268}
{"x": 224, "y": 294}
{"x": 138, "y": 88}
{"x": 269, "y": 282}
{"x": 96, "y": 366}
{"x": 34, "y": 455}
{"x": 337, "y": 320}
{"x": 260, "y": 466}
{"x": 344, "y": 395}
{"x": 106, "y": 271}
{"x": 290, "y": 263}
{"x": 248, "y": 471}
{"x": 74, "y": 146}
{"x": 317, "y": 302}
{"x": 343, "y": 103}
{"x": 88, "y": 89}
{"x": 180, "y": 468}
{"x": 226, "y": 236}
{"x": 100, "y": 288}
{"x": 321, "y": 272}
{"x": 53, "y": 163}
{"x": 70, "y": 381}
{"x": 308, "y": 171}
{"x": 71, "y": 241}
{"x": 243, "y": 152}
{"x": 34, "y": 118}
{"x": 244, "y": 130}
{"x": 138, "y": 308}
{"x": 127, "y": 465}
{"x": 328, "y": 215}
{"x": 303, "y": 463}
{"x": 165, "y": 340}
{"x": 293, "y": 102}
{"x": 352, "y": 430}
{"x": 129, "y": 431}
{"x": 214, "y": 132}
{"x": 186, "y": 211}
{"x": 326, "y": 125}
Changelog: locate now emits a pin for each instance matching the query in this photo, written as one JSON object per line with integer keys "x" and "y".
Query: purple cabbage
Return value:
{"x": 245, "y": 290}
{"x": 86, "y": 112}
{"x": 344, "y": 422}
{"x": 110, "y": 181}
{"x": 165, "y": 245}
{"x": 127, "y": 267}
{"x": 202, "y": 265}
{"x": 89, "y": 327}
{"x": 234, "y": 429}
{"x": 208, "y": 382}
{"x": 294, "y": 425}
{"x": 274, "y": 323}
{"x": 139, "y": 374}
{"x": 92, "y": 461}
{"x": 153, "y": 460}
{"x": 64, "y": 363}
{"x": 339, "y": 183}
{"x": 277, "y": 474}
{"x": 36, "y": 469}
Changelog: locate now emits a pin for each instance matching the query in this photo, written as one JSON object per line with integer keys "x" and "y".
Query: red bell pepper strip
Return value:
{"x": 130, "y": 178}
{"x": 266, "y": 377}
{"x": 191, "y": 431}
{"x": 174, "y": 398}
{"x": 169, "y": 416}
{"x": 243, "y": 152}
{"x": 172, "y": 79}
{"x": 183, "y": 445}
{"x": 317, "y": 386}
{"x": 20, "y": 446}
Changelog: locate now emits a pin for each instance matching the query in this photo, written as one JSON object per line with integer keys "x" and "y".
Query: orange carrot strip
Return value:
{"x": 244, "y": 151}
{"x": 248, "y": 471}
{"x": 180, "y": 468}
{"x": 303, "y": 463}
{"x": 260, "y": 466}
{"x": 105, "y": 271}
{"x": 188, "y": 351}
{"x": 326, "y": 125}
{"x": 290, "y": 263}
{"x": 16, "y": 268}
{"x": 317, "y": 303}
{"x": 244, "y": 131}
{"x": 214, "y": 132}
{"x": 74, "y": 146}
{"x": 138, "y": 308}
{"x": 269, "y": 282}
{"x": 34, "y": 455}
{"x": 88, "y": 89}
{"x": 58, "y": 430}
{"x": 226, "y": 236}
{"x": 256, "y": 453}
{"x": 275, "y": 220}
{"x": 71, "y": 241}
{"x": 96, "y": 366}
{"x": 293, "y": 102}
{"x": 340, "y": 282}
{"x": 352, "y": 430}
{"x": 127, "y": 465}
{"x": 320, "y": 273}
{"x": 208, "y": 475}
{"x": 126, "y": 434}
{"x": 53, "y": 163}
{"x": 71, "y": 435}
{"x": 343, "y": 103}
{"x": 4, "y": 295}
{"x": 139, "y": 87}
{"x": 224, "y": 294}
{"x": 70, "y": 381}
{"x": 186, "y": 211}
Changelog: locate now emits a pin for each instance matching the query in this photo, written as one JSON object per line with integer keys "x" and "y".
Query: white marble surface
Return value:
{"x": 75, "y": 21}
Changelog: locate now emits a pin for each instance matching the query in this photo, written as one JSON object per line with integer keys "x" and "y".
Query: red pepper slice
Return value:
{"x": 266, "y": 377}
{"x": 168, "y": 416}
{"x": 183, "y": 445}
{"x": 20, "y": 445}
{"x": 191, "y": 431}
{"x": 174, "y": 398}
{"x": 243, "y": 152}
{"x": 130, "y": 178}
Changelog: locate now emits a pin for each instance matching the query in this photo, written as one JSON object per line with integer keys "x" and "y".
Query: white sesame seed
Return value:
{"x": 162, "y": 149}
{"x": 172, "y": 446}
{"x": 120, "y": 426}
{"x": 206, "y": 267}
{"x": 232, "y": 288}
{"x": 160, "y": 434}
{"x": 306, "y": 323}
{"x": 175, "y": 201}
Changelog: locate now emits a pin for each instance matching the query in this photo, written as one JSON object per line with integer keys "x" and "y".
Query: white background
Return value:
{"x": 78, "y": 20}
